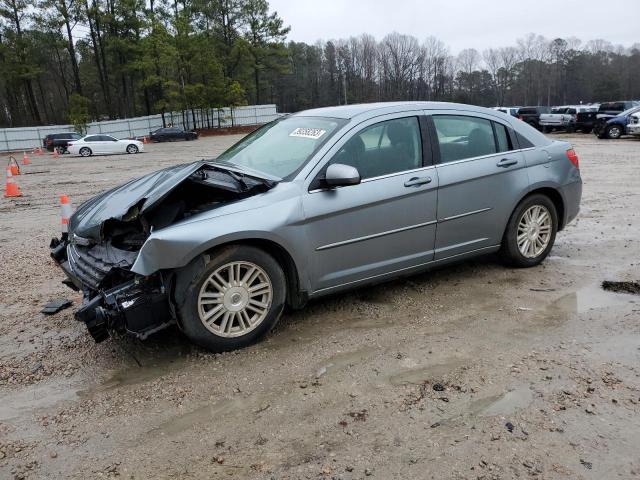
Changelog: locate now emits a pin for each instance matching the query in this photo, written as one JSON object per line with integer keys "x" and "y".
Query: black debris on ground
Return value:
{"x": 622, "y": 287}
{"x": 54, "y": 306}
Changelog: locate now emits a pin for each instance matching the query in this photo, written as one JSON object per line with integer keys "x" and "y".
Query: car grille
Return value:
{"x": 90, "y": 265}
{"x": 89, "y": 269}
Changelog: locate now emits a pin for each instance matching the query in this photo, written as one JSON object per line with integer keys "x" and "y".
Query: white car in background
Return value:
{"x": 513, "y": 111}
{"x": 633, "y": 128}
{"x": 103, "y": 144}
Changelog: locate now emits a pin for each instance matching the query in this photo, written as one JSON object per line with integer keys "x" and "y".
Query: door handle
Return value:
{"x": 416, "y": 181}
{"x": 506, "y": 162}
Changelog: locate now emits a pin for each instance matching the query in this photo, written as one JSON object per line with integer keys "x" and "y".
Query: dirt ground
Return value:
{"x": 473, "y": 371}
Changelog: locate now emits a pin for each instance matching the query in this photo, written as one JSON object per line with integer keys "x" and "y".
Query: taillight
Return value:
{"x": 573, "y": 158}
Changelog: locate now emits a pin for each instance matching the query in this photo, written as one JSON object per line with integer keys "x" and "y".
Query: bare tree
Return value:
{"x": 400, "y": 57}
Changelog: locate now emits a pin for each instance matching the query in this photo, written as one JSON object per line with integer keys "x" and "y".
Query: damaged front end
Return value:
{"x": 107, "y": 233}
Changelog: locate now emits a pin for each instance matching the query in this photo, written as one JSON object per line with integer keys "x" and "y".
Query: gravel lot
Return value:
{"x": 474, "y": 371}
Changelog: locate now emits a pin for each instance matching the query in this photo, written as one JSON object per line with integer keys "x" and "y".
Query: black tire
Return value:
{"x": 571, "y": 129}
{"x": 613, "y": 132}
{"x": 132, "y": 149}
{"x": 85, "y": 152}
{"x": 546, "y": 129}
{"x": 509, "y": 251}
{"x": 190, "y": 280}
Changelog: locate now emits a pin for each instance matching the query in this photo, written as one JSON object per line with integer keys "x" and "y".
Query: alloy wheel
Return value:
{"x": 534, "y": 231}
{"x": 235, "y": 299}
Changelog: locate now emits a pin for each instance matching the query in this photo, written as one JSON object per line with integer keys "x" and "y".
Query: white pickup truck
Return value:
{"x": 633, "y": 128}
{"x": 564, "y": 118}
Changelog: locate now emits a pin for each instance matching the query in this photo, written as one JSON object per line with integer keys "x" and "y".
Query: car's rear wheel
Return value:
{"x": 132, "y": 149}
{"x": 614, "y": 132}
{"x": 85, "y": 152}
{"x": 531, "y": 232}
{"x": 231, "y": 298}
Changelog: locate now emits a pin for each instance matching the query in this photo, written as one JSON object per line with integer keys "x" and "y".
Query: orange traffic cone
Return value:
{"x": 39, "y": 151}
{"x": 65, "y": 212}
{"x": 13, "y": 166}
{"x": 55, "y": 153}
{"x": 25, "y": 159}
{"x": 146, "y": 140}
{"x": 11, "y": 190}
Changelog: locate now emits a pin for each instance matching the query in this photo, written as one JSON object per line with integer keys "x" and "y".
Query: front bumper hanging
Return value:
{"x": 139, "y": 305}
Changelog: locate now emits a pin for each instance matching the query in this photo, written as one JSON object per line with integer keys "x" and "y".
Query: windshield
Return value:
{"x": 282, "y": 147}
{"x": 630, "y": 111}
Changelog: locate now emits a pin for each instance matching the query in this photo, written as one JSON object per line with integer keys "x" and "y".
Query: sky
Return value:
{"x": 463, "y": 23}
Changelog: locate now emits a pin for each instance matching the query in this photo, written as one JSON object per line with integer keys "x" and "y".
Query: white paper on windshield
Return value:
{"x": 312, "y": 133}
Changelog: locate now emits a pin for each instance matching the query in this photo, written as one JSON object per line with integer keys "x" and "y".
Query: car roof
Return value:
{"x": 369, "y": 110}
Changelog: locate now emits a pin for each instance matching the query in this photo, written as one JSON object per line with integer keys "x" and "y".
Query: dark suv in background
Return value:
{"x": 531, "y": 115}
{"x": 59, "y": 141}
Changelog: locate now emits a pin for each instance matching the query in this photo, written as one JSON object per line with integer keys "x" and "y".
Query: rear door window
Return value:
{"x": 92, "y": 138}
{"x": 461, "y": 137}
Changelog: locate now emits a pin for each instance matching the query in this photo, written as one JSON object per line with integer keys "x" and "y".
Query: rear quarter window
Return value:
{"x": 524, "y": 141}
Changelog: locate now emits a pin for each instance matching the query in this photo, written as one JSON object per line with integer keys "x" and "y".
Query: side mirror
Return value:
{"x": 340, "y": 175}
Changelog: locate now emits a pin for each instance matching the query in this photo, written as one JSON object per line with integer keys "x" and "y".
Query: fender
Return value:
{"x": 175, "y": 246}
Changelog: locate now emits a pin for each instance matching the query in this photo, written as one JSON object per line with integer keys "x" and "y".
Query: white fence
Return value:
{"x": 15, "y": 139}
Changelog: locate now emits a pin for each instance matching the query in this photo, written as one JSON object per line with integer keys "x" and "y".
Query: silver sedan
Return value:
{"x": 314, "y": 203}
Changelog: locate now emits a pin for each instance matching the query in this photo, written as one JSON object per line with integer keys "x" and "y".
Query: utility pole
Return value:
{"x": 344, "y": 87}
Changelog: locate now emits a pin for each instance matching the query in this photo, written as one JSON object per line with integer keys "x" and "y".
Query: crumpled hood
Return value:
{"x": 138, "y": 196}
{"x": 144, "y": 192}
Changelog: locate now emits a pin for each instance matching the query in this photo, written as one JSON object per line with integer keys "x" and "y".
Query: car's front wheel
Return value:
{"x": 85, "y": 152}
{"x": 132, "y": 149}
{"x": 614, "y": 132}
{"x": 230, "y": 298}
{"x": 531, "y": 232}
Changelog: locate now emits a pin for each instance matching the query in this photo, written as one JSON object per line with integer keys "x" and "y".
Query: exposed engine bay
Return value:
{"x": 97, "y": 255}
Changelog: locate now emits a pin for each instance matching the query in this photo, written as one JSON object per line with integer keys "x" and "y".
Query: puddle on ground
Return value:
{"x": 347, "y": 359}
{"x": 417, "y": 376}
{"x": 505, "y": 404}
{"x": 20, "y": 405}
{"x": 373, "y": 322}
{"x": 586, "y": 299}
{"x": 211, "y": 414}
{"x": 152, "y": 365}
{"x": 624, "y": 348}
